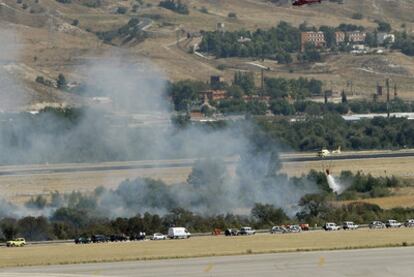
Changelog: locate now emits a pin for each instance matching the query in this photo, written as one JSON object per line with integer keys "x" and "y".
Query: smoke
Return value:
{"x": 335, "y": 185}
{"x": 128, "y": 129}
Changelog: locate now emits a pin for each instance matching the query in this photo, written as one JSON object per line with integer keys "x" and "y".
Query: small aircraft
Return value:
{"x": 325, "y": 152}
{"x": 305, "y": 2}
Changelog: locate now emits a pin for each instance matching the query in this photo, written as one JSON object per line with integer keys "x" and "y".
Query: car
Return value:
{"x": 178, "y": 233}
{"x": 137, "y": 236}
{"x": 294, "y": 229}
{"x": 349, "y": 225}
{"x": 82, "y": 240}
{"x": 19, "y": 242}
{"x": 99, "y": 238}
{"x": 330, "y": 226}
{"x": 231, "y": 232}
{"x": 304, "y": 226}
{"x": 409, "y": 223}
{"x": 119, "y": 237}
{"x": 278, "y": 230}
{"x": 247, "y": 231}
{"x": 158, "y": 236}
{"x": 391, "y": 223}
{"x": 376, "y": 225}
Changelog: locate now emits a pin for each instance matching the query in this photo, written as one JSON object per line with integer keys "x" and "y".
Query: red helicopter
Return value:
{"x": 305, "y": 2}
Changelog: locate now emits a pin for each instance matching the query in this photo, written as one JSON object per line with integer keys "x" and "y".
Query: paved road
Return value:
{"x": 367, "y": 262}
{"x": 113, "y": 166}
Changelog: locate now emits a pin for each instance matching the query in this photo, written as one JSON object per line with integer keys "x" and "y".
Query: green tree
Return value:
{"x": 245, "y": 80}
{"x": 268, "y": 215}
{"x": 8, "y": 227}
{"x": 61, "y": 81}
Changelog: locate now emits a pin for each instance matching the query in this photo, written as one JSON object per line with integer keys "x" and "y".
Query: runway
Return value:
{"x": 21, "y": 170}
{"x": 366, "y": 262}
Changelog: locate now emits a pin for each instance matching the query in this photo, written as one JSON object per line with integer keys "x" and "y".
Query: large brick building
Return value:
{"x": 315, "y": 38}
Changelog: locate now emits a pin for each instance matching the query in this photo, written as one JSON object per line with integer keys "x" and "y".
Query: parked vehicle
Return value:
{"x": 119, "y": 237}
{"x": 349, "y": 225}
{"x": 294, "y": 229}
{"x": 231, "y": 232}
{"x": 19, "y": 242}
{"x": 247, "y": 231}
{"x": 82, "y": 240}
{"x": 99, "y": 238}
{"x": 278, "y": 230}
{"x": 376, "y": 225}
{"x": 304, "y": 226}
{"x": 391, "y": 223}
{"x": 178, "y": 233}
{"x": 409, "y": 223}
{"x": 158, "y": 236}
{"x": 330, "y": 226}
{"x": 137, "y": 236}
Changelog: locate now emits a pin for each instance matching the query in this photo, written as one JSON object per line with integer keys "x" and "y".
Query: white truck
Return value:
{"x": 349, "y": 225}
{"x": 391, "y": 223}
{"x": 178, "y": 233}
{"x": 330, "y": 226}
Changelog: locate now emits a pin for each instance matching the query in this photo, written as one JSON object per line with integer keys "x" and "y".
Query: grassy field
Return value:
{"x": 403, "y": 197}
{"x": 203, "y": 246}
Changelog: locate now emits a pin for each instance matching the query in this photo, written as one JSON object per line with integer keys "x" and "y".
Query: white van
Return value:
{"x": 178, "y": 233}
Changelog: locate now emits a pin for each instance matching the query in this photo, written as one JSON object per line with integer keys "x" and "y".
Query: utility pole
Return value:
{"x": 262, "y": 81}
{"x": 387, "y": 83}
{"x": 395, "y": 91}
{"x": 178, "y": 36}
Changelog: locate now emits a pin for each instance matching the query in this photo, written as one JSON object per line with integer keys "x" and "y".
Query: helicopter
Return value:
{"x": 305, "y": 2}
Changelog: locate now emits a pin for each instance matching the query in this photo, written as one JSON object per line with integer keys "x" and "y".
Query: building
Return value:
{"x": 315, "y": 38}
{"x": 382, "y": 37}
{"x": 356, "y": 36}
{"x": 244, "y": 39}
{"x": 213, "y": 95}
{"x": 216, "y": 81}
{"x": 339, "y": 37}
{"x": 220, "y": 27}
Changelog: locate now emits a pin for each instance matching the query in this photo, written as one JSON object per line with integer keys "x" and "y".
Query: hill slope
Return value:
{"x": 60, "y": 38}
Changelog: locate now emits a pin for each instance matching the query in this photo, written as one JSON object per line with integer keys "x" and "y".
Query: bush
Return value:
{"x": 232, "y": 15}
{"x": 121, "y": 10}
{"x": 175, "y": 6}
{"x": 357, "y": 16}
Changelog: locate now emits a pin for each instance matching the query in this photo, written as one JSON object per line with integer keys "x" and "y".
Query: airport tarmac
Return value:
{"x": 364, "y": 262}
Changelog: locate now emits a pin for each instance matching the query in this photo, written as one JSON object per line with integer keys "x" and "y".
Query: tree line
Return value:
{"x": 78, "y": 218}
{"x": 331, "y": 130}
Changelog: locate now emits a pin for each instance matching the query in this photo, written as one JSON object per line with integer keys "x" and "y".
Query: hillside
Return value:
{"x": 60, "y": 38}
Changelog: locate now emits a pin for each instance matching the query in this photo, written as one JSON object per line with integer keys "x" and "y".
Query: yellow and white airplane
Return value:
{"x": 325, "y": 152}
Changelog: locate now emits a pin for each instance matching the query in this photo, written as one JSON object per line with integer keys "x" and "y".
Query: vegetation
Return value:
{"x": 359, "y": 185}
{"x": 128, "y": 32}
{"x": 175, "y": 6}
{"x": 277, "y": 41}
{"x": 332, "y": 131}
{"x": 405, "y": 43}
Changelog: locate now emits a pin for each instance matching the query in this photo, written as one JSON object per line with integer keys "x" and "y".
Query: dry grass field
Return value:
{"x": 203, "y": 246}
{"x": 403, "y": 197}
{"x": 49, "y": 49}
{"x": 401, "y": 167}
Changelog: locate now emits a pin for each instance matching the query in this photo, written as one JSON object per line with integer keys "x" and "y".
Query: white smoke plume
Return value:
{"x": 336, "y": 185}
{"x": 139, "y": 88}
